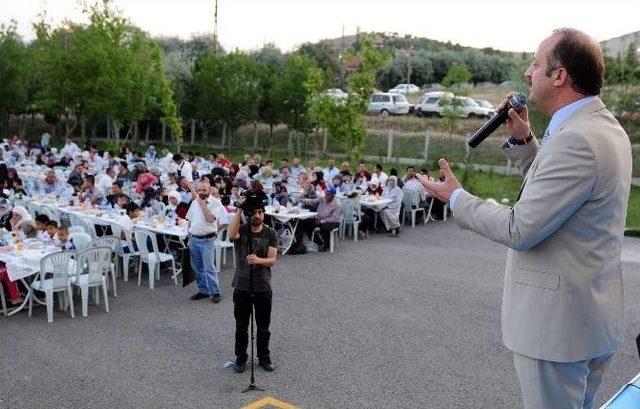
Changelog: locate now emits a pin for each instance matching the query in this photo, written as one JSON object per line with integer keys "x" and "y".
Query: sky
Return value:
{"x": 249, "y": 24}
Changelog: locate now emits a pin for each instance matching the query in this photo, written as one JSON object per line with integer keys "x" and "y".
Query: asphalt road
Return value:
{"x": 408, "y": 322}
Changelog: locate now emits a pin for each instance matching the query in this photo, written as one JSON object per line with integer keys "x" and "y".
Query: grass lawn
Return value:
{"x": 486, "y": 185}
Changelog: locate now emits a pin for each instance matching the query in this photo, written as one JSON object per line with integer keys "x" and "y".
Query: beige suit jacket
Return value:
{"x": 563, "y": 298}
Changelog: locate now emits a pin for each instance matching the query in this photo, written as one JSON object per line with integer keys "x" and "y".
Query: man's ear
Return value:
{"x": 561, "y": 77}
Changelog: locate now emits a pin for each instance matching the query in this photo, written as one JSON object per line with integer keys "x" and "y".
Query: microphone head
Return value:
{"x": 518, "y": 101}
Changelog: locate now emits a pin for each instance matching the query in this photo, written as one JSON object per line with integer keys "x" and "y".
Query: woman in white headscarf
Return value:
{"x": 390, "y": 215}
{"x": 176, "y": 205}
{"x": 22, "y": 221}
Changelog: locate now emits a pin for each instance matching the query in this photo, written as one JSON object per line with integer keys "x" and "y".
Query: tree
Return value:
{"x": 343, "y": 120}
{"x": 107, "y": 68}
{"x": 301, "y": 79}
{"x": 227, "y": 90}
{"x": 457, "y": 75}
{"x": 13, "y": 74}
{"x": 270, "y": 67}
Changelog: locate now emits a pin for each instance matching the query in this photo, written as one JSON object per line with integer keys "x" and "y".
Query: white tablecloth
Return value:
{"x": 24, "y": 263}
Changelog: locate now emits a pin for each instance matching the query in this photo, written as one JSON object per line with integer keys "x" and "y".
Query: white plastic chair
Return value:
{"x": 408, "y": 199}
{"x": 126, "y": 257}
{"x": 51, "y": 214}
{"x": 333, "y": 234}
{"x": 80, "y": 240}
{"x": 113, "y": 243}
{"x": 88, "y": 226}
{"x": 92, "y": 265}
{"x": 153, "y": 258}
{"x": 76, "y": 229}
{"x": 349, "y": 218}
{"x": 56, "y": 264}
{"x": 222, "y": 244}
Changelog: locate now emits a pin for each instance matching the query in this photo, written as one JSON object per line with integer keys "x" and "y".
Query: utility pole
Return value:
{"x": 409, "y": 55}
{"x": 215, "y": 28}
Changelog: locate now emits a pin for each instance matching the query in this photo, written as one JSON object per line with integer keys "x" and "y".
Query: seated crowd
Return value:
{"x": 132, "y": 181}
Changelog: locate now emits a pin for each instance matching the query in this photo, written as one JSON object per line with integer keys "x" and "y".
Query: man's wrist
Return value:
{"x": 525, "y": 141}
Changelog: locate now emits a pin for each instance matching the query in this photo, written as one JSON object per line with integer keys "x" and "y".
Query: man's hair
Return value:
{"x": 411, "y": 167}
{"x": 42, "y": 218}
{"x": 131, "y": 207}
{"x": 91, "y": 179}
{"x": 118, "y": 183}
{"x": 52, "y": 223}
{"x": 177, "y": 157}
{"x": 378, "y": 166}
{"x": 123, "y": 164}
{"x": 582, "y": 57}
{"x": 63, "y": 228}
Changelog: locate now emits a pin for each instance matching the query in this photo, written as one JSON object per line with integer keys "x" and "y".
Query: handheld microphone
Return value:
{"x": 517, "y": 102}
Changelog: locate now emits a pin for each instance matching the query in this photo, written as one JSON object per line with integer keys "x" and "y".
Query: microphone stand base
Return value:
{"x": 253, "y": 387}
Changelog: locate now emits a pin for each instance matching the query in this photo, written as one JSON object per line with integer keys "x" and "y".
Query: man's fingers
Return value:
{"x": 504, "y": 102}
{"x": 514, "y": 116}
{"x": 446, "y": 170}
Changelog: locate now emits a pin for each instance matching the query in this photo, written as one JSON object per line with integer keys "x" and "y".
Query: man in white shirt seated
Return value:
{"x": 69, "y": 148}
{"x": 382, "y": 177}
{"x": 330, "y": 171}
{"x": 105, "y": 180}
{"x": 183, "y": 168}
{"x": 413, "y": 185}
{"x": 90, "y": 193}
{"x": 203, "y": 215}
{"x": 52, "y": 185}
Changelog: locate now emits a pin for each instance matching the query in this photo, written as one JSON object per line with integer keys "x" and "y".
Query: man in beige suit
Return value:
{"x": 562, "y": 309}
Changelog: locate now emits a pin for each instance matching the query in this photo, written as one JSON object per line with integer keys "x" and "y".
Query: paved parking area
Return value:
{"x": 408, "y": 322}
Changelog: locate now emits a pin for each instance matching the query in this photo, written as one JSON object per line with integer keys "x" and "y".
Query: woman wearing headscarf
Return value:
{"x": 279, "y": 194}
{"x": 390, "y": 215}
{"x": 319, "y": 182}
{"x": 144, "y": 181}
{"x": 176, "y": 205}
{"x": 374, "y": 187}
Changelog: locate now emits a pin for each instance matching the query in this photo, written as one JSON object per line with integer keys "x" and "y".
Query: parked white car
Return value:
{"x": 435, "y": 105}
{"x": 385, "y": 103}
{"x": 337, "y": 94}
{"x": 405, "y": 89}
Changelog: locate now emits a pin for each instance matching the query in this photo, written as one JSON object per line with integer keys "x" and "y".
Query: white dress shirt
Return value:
{"x": 198, "y": 224}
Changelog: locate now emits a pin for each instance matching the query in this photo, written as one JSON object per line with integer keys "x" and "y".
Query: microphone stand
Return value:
{"x": 252, "y": 382}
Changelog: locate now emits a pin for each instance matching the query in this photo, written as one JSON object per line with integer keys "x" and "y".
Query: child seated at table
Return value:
{"x": 52, "y": 232}
{"x": 41, "y": 227}
{"x": 133, "y": 213}
{"x": 63, "y": 239}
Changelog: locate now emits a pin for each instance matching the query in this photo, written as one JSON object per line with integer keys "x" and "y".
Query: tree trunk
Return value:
{"x": 116, "y": 132}
{"x": 83, "y": 127}
{"x": 6, "y": 123}
{"x": 164, "y": 131}
{"x": 229, "y": 139}
{"x": 223, "y": 144}
{"x": 146, "y": 133}
{"x": 108, "y": 128}
{"x": 136, "y": 133}
{"x": 290, "y": 142}
{"x": 23, "y": 126}
{"x": 193, "y": 131}
{"x": 255, "y": 136}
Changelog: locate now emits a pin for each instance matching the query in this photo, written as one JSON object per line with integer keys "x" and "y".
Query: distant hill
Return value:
{"x": 395, "y": 41}
{"x": 619, "y": 45}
